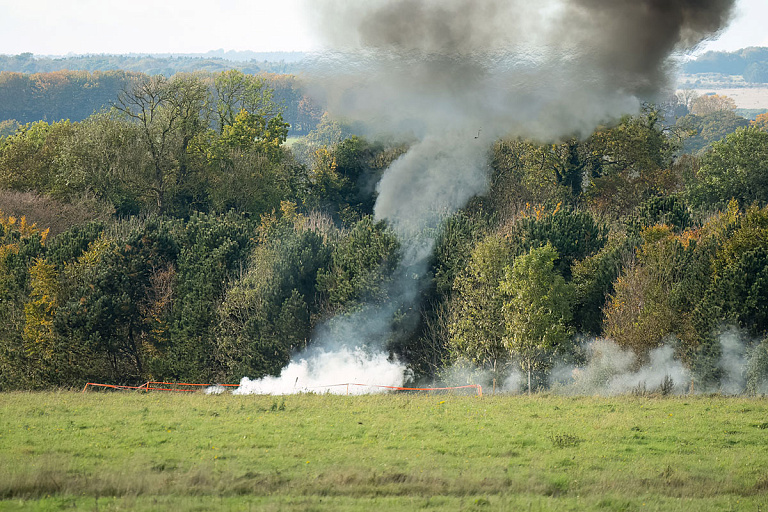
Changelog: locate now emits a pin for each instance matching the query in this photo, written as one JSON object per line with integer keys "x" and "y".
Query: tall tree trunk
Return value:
{"x": 529, "y": 377}
{"x": 135, "y": 349}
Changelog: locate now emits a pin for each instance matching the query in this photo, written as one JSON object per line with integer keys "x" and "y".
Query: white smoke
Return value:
{"x": 356, "y": 371}
{"x": 463, "y": 372}
{"x": 513, "y": 382}
{"x": 216, "y": 389}
{"x": 612, "y": 370}
{"x": 733, "y": 363}
{"x": 345, "y": 350}
{"x": 428, "y": 184}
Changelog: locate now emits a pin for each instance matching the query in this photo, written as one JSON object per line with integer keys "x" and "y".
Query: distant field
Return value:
{"x": 292, "y": 140}
{"x": 128, "y": 451}
{"x": 745, "y": 97}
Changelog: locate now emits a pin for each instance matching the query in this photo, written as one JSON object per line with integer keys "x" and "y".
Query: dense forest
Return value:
{"x": 177, "y": 236}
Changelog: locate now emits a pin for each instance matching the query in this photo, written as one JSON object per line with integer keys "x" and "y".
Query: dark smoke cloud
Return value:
{"x": 631, "y": 41}
{"x": 443, "y": 70}
{"x": 627, "y": 40}
{"x": 545, "y": 69}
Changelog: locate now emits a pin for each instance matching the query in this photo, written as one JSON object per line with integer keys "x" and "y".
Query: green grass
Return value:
{"x": 130, "y": 451}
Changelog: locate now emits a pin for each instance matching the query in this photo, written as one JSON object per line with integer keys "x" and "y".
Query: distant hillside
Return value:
{"x": 751, "y": 63}
{"x": 242, "y": 56}
{"x": 157, "y": 64}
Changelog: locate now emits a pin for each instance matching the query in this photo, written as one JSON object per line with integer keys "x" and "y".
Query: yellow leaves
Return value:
{"x": 689, "y": 235}
{"x": 96, "y": 250}
{"x": 38, "y": 332}
{"x": 325, "y": 160}
{"x": 25, "y": 229}
{"x": 761, "y": 122}
{"x": 712, "y": 103}
{"x": 289, "y": 210}
{"x": 718, "y": 224}
{"x": 539, "y": 210}
{"x": 6, "y": 223}
{"x": 657, "y": 233}
{"x": 21, "y": 225}
{"x": 43, "y": 278}
{"x": 750, "y": 233}
{"x": 7, "y": 250}
{"x": 13, "y": 230}
{"x": 269, "y": 221}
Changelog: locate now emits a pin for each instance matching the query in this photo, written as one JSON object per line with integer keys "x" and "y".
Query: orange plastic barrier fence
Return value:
{"x": 151, "y": 386}
{"x": 111, "y": 386}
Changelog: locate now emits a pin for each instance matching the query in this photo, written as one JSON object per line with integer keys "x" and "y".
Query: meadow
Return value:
{"x": 160, "y": 451}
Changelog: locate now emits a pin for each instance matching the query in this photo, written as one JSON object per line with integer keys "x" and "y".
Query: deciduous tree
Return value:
{"x": 170, "y": 113}
{"x": 536, "y": 309}
{"x": 477, "y": 327}
{"x": 735, "y": 168}
{"x": 710, "y": 103}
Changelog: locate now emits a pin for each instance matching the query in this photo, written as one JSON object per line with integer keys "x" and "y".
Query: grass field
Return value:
{"x": 129, "y": 451}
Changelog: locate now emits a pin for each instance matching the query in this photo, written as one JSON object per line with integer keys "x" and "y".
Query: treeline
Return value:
{"x": 76, "y": 95}
{"x": 177, "y": 237}
{"x": 214, "y": 62}
{"x": 26, "y": 98}
{"x": 751, "y": 63}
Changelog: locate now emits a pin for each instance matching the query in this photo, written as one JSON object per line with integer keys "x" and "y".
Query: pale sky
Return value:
{"x": 748, "y": 28}
{"x": 58, "y": 27}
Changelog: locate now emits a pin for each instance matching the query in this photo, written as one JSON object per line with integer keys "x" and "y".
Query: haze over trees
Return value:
{"x": 158, "y": 64}
{"x": 177, "y": 236}
{"x": 751, "y": 63}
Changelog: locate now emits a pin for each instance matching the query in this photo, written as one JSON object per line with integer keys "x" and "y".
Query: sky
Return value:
{"x": 748, "y": 28}
{"x": 56, "y": 27}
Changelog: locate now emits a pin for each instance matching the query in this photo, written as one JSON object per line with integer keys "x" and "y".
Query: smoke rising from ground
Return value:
{"x": 733, "y": 363}
{"x": 612, "y": 370}
{"x": 455, "y": 75}
{"x": 346, "y": 349}
{"x": 409, "y": 199}
{"x": 316, "y": 370}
